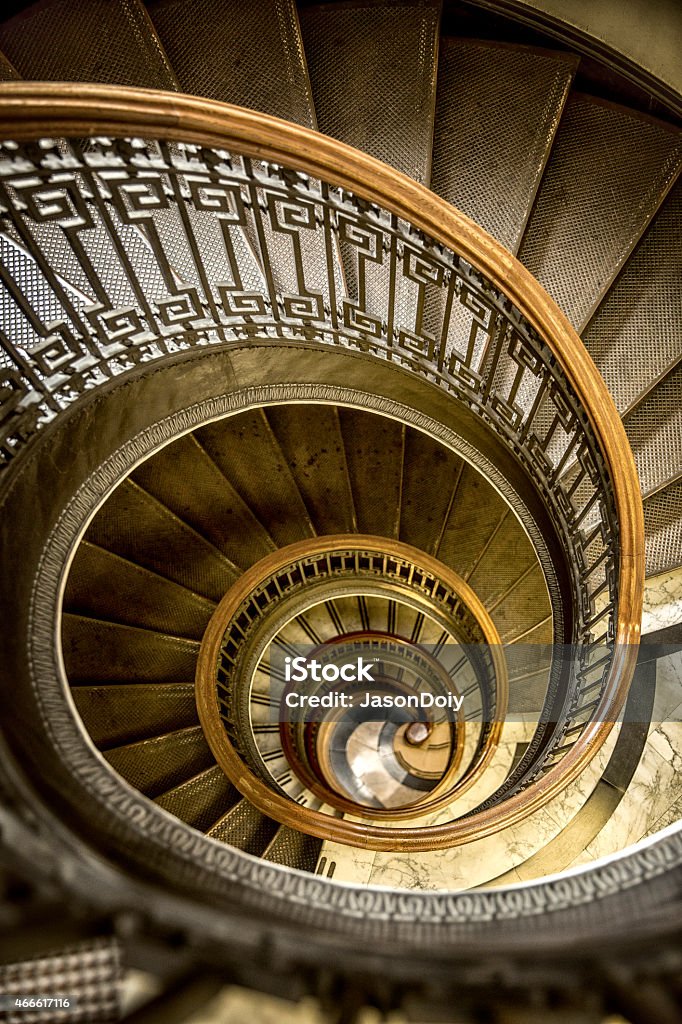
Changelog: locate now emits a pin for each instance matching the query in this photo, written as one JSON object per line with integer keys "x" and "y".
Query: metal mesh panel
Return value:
{"x": 663, "y": 528}
{"x": 294, "y": 849}
{"x": 655, "y": 433}
{"x": 607, "y": 174}
{"x": 497, "y": 110}
{"x": 373, "y": 72}
{"x": 189, "y": 483}
{"x": 88, "y": 975}
{"x": 635, "y": 333}
{"x": 256, "y": 54}
{"x": 239, "y": 443}
{"x": 125, "y": 714}
{"x": 310, "y": 438}
{"x": 96, "y": 651}
{"x": 105, "y": 586}
{"x": 245, "y": 827}
{"x": 155, "y": 765}
{"x": 99, "y": 41}
{"x": 201, "y": 800}
{"x": 137, "y": 527}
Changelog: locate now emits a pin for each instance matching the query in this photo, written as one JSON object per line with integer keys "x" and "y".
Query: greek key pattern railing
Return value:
{"x": 117, "y": 252}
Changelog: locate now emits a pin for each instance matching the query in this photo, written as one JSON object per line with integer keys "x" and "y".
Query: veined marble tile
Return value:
{"x": 662, "y": 601}
{"x": 352, "y": 864}
{"x": 668, "y": 696}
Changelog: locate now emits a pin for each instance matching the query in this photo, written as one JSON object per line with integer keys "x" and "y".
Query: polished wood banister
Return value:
{"x": 33, "y": 110}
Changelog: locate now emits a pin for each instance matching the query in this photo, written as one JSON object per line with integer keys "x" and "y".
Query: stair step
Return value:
{"x": 663, "y": 530}
{"x": 430, "y": 473}
{"x": 115, "y": 715}
{"x": 607, "y": 174}
{"x": 373, "y": 73}
{"x": 634, "y": 335}
{"x": 141, "y": 529}
{"x": 202, "y": 799}
{"x": 154, "y": 765}
{"x": 98, "y": 652}
{"x": 101, "y": 41}
{"x": 240, "y": 443}
{"x": 188, "y": 482}
{"x": 310, "y": 439}
{"x": 507, "y": 558}
{"x": 497, "y": 110}
{"x": 103, "y": 585}
{"x": 247, "y": 54}
{"x": 374, "y": 452}
{"x": 654, "y": 430}
{"x": 293, "y": 849}
{"x": 245, "y": 827}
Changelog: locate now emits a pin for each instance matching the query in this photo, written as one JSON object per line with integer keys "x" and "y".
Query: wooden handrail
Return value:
{"x": 34, "y": 110}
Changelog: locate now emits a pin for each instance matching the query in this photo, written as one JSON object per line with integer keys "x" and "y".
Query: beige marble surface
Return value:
{"x": 662, "y": 601}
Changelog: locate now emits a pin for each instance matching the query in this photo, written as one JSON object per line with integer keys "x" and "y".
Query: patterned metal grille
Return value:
{"x": 100, "y": 41}
{"x": 88, "y": 975}
{"x": 477, "y": 347}
{"x": 663, "y": 527}
{"x": 240, "y": 37}
{"x": 595, "y": 200}
{"x": 373, "y": 72}
{"x": 655, "y": 433}
{"x": 497, "y": 110}
{"x": 635, "y": 334}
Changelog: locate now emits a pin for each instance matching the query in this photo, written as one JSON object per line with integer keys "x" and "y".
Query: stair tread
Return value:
{"x": 491, "y": 142}
{"x": 248, "y": 44}
{"x": 116, "y": 715}
{"x": 8, "y": 73}
{"x": 373, "y": 73}
{"x": 663, "y": 530}
{"x": 293, "y": 849}
{"x": 374, "y": 454}
{"x": 96, "y": 651}
{"x": 156, "y": 764}
{"x": 110, "y": 41}
{"x": 654, "y": 431}
{"x": 239, "y": 443}
{"x": 106, "y": 586}
{"x": 136, "y": 526}
{"x": 245, "y": 827}
{"x": 634, "y": 334}
{"x": 187, "y": 481}
{"x": 607, "y": 174}
{"x": 199, "y": 801}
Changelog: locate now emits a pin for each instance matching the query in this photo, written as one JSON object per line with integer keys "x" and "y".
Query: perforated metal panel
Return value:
{"x": 96, "y": 651}
{"x": 663, "y": 529}
{"x": 497, "y": 110}
{"x": 373, "y": 73}
{"x": 125, "y": 714}
{"x": 294, "y": 849}
{"x": 154, "y": 765}
{"x": 87, "y": 974}
{"x": 635, "y": 333}
{"x": 239, "y": 443}
{"x": 104, "y": 586}
{"x": 245, "y": 827}
{"x": 256, "y": 55}
{"x": 189, "y": 483}
{"x": 655, "y": 433}
{"x": 374, "y": 453}
{"x": 202, "y": 799}
{"x": 310, "y": 438}
{"x": 607, "y": 174}
{"x": 98, "y": 41}
{"x": 136, "y": 526}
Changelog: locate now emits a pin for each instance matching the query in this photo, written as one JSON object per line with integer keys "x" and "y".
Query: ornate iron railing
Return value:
{"x": 229, "y": 226}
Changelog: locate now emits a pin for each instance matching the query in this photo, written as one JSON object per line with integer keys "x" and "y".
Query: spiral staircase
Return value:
{"x": 334, "y": 331}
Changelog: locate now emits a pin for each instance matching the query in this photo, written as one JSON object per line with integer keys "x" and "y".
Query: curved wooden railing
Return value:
{"x": 522, "y": 369}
